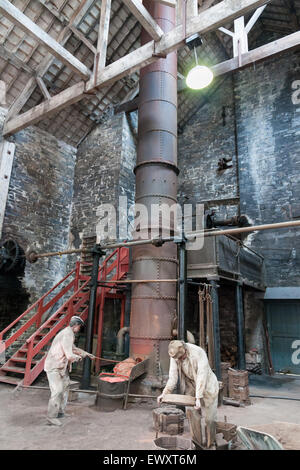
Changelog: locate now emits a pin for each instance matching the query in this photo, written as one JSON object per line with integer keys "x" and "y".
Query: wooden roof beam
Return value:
{"x": 279, "y": 46}
{"x": 143, "y": 16}
{"x": 207, "y": 21}
{"x": 100, "y": 58}
{"x": 25, "y": 23}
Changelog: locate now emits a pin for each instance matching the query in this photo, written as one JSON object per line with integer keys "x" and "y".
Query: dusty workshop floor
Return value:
{"x": 23, "y": 424}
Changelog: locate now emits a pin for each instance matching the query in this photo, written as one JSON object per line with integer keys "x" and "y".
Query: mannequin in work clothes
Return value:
{"x": 189, "y": 363}
{"x": 61, "y": 354}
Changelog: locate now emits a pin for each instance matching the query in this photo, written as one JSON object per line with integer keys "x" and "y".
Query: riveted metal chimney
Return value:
{"x": 154, "y": 304}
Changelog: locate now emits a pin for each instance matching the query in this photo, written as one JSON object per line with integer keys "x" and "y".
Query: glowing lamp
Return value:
{"x": 199, "y": 77}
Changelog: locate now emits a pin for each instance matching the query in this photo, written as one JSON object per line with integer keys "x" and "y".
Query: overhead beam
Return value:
{"x": 143, "y": 16}
{"x": 256, "y": 55}
{"x": 2, "y": 93}
{"x": 254, "y": 18}
{"x": 43, "y": 67}
{"x": 67, "y": 97}
{"x": 207, "y": 21}
{"x": 25, "y": 23}
{"x": 127, "y": 107}
{"x": 82, "y": 38}
{"x": 100, "y": 58}
{"x": 43, "y": 88}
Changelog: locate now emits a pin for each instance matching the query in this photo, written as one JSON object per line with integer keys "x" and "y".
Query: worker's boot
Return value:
{"x": 61, "y": 414}
{"x": 54, "y": 421}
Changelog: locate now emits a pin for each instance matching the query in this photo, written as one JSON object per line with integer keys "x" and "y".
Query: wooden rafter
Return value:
{"x": 100, "y": 58}
{"x": 208, "y": 20}
{"x": 43, "y": 88}
{"x": 43, "y": 67}
{"x": 25, "y": 23}
{"x": 143, "y": 16}
{"x": 289, "y": 42}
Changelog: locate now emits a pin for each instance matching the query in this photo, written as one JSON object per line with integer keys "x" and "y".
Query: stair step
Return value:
{"x": 25, "y": 346}
{"x": 16, "y": 370}
{"x": 22, "y": 360}
{"x": 10, "y": 380}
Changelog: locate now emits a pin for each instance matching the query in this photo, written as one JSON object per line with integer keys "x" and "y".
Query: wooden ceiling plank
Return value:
{"x": 17, "y": 17}
{"x": 209, "y": 20}
{"x": 43, "y": 67}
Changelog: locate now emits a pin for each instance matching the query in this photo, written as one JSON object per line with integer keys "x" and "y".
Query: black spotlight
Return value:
{"x": 194, "y": 41}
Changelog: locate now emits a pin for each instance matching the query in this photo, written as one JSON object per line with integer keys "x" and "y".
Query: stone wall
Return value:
{"x": 268, "y": 129}
{"x": 207, "y": 137}
{"x": 255, "y": 118}
{"x": 104, "y": 172}
{"x": 39, "y": 204}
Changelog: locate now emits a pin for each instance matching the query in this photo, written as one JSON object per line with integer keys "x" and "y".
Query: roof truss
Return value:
{"x": 25, "y": 23}
{"x": 208, "y": 20}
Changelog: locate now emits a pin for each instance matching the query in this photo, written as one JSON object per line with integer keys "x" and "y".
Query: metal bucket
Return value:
{"x": 173, "y": 443}
{"x": 110, "y": 396}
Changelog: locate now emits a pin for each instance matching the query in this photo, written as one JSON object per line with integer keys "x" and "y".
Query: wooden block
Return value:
{"x": 231, "y": 401}
{"x": 182, "y": 400}
{"x": 227, "y": 429}
{"x": 221, "y": 443}
{"x": 194, "y": 418}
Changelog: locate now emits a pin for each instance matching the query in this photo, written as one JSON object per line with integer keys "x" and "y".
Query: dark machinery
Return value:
{"x": 212, "y": 222}
{"x": 12, "y": 258}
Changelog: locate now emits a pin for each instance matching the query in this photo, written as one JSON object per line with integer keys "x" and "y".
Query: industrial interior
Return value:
{"x": 111, "y": 110}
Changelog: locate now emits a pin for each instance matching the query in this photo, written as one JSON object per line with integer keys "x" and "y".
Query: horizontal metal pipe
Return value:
{"x": 274, "y": 397}
{"x": 253, "y": 228}
{"x": 188, "y": 235}
{"x": 139, "y": 281}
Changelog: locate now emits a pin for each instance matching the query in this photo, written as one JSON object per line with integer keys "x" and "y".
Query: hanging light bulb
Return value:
{"x": 199, "y": 76}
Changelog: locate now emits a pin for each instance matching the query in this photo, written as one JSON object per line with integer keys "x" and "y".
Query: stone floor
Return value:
{"x": 23, "y": 419}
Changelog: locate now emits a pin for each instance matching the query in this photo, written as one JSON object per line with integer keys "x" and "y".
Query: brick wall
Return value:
{"x": 207, "y": 137}
{"x": 268, "y": 123}
{"x": 261, "y": 128}
{"x": 104, "y": 171}
{"x": 39, "y": 203}
{"x": 261, "y": 132}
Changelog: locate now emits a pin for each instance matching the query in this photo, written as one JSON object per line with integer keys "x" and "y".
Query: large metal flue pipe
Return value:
{"x": 154, "y": 304}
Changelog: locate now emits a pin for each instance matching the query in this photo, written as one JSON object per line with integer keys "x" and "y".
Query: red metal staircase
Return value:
{"x": 24, "y": 366}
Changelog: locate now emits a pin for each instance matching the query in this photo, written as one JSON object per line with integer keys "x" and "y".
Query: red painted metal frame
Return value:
{"x": 73, "y": 304}
{"x": 120, "y": 263}
{"x": 41, "y": 309}
{"x": 115, "y": 266}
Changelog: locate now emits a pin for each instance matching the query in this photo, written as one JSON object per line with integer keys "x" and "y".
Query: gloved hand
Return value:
{"x": 91, "y": 356}
{"x": 77, "y": 358}
{"x": 198, "y": 404}
{"x": 159, "y": 399}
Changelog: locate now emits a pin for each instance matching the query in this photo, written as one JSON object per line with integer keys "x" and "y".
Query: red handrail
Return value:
{"x": 11, "y": 325}
{"x": 73, "y": 304}
{"x": 31, "y": 374}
